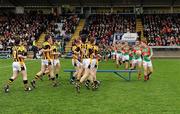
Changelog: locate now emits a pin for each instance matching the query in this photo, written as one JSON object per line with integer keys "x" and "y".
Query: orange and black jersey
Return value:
{"x": 95, "y": 51}
{"x": 54, "y": 50}
{"x": 87, "y": 50}
{"x": 15, "y": 53}
{"x": 46, "y": 52}
{"x": 19, "y": 50}
{"x": 76, "y": 51}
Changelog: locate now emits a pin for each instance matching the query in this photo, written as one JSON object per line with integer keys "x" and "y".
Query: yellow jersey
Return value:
{"x": 86, "y": 50}
{"x": 95, "y": 50}
{"x": 19, "y": 50}
{"x": 46, "y": 53}
{"x": 54, "y": 50}
{"x": 76, "y": 50}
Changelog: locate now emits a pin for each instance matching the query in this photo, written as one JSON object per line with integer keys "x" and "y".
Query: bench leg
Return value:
{"x": 129, "y": 76}
{"x": 121, "y": 76}
{"x": 71, "y": 75}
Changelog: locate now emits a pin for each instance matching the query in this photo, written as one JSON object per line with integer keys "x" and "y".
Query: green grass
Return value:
{"x": 115, "y": 96}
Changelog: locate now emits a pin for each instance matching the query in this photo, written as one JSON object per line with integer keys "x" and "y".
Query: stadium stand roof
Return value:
{"x": 86, "y": 2}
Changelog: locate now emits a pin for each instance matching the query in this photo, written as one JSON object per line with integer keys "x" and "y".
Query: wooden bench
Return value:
{"x": 117, "y": 72}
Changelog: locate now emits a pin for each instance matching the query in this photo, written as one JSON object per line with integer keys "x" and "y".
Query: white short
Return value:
{"x": 94, "y": 63}
{"x": 46, "y": 62}
{"x": 118, "y": 56}
{"x": 56, "y": 61}
{"x": 147, "y": 64}
{"x": 136, "y": 61}
{"x": 113, "y": 53}
{"x": 125, "y": 58}
{"x": 18, "y": 67}
{"x": 76, "y": 63}
{"x": 86, "y": 63}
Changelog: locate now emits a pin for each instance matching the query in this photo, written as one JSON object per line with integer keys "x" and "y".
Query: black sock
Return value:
{"x": 37, "y": 77}
{"x": 77, "y": 81}
{"x": 130, "y": 64}
{"x": 73, "y": 78}
{"x": 95, "y": 82}
{"x": 149, "y": 73}
{"x": 88, "y": 81}
{"x": 25, "y": 83}
{"x": 53, "y": 79}
{"x": 10, "y": 81}
{"x": 57, "y": 76}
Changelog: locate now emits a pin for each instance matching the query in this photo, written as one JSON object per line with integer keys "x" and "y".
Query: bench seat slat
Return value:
{"x": 70, "y": 70}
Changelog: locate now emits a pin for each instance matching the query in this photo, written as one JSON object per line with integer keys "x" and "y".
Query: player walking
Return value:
{"x": 46, "y": 62}
{"x": 55, "y": 57}
{"x": 125, "y": 57}
{"x": 76, "y": 61}
{"x": 147, "y": 53}
{"x": 19, "y": 54}
{"x": 137, "y": 60}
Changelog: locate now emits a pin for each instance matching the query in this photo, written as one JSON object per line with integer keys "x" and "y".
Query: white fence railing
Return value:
{"x": 5, "y": 54}
{"x": 165, "y": 47}
{"x": 166, "y": 51}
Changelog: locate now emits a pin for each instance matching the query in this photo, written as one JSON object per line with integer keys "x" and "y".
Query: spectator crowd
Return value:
{"x": 159, "y": 29}
{"x": 103, "y": 26}
{"x": 28, "y": 27}
{"x": 162, "y": 29}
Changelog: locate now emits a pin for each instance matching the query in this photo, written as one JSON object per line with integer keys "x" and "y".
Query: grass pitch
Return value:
{"x": 115, "y": 95}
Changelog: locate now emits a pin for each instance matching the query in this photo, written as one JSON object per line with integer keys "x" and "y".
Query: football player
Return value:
{"x": 19, "y": 54}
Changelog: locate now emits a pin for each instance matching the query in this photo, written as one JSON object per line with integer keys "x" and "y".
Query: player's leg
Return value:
{"x": 113, "y": 57}
{"x": 89, "y": 81}
{"x": 10, "y": 81}
{"x": 145, "y": 67}
{"x": 134, "y": 62}
{"x": 107, "y": 55}
{"x": 117, "y": 60}
{"x": 39, "y": 74}
{"x": 46, "y": 72}
{"x": 80, "y": 71}
{"x": 57, "y": 68}
{"x": 94, "y": 70}
{"x": 150, "y": 70}
{"x": 79, "y": 74}
{"x": 95, "y": 82}
{"x": 16, "y": 68}
{"x": 92, "y": 75}
{"x": 44, "y": 64}
{"x": 86, "y": 71}
{"x": 126, "y": 62}
{"x": 25, "y": 80}
{"x": 51, "y": 73}
{"x": 76, "y": 67}
{"x": 130, "y": 64}
{"x": 87, "y": 66}
{"x": 139, "y": 69}
{"x": 85, "y": 75}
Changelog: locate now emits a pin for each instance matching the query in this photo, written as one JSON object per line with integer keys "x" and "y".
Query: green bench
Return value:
{"x": 117, "y": 72}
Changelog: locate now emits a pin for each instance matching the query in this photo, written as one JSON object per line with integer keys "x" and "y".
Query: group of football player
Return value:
{"x": 85, "y": 60}
{"x": 50, "y": 64}
{"x": 138, "y": 55}
{"x": 85, "y": 57}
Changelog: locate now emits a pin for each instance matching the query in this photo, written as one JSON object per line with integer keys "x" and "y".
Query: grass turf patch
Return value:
{"x": 115, "y": 95}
